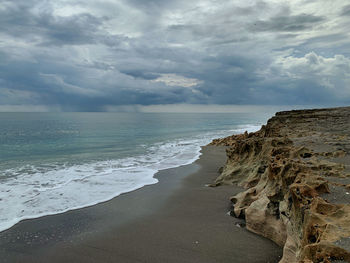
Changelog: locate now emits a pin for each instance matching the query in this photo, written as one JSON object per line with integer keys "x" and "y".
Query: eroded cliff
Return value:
{"x": 296, "y": 175}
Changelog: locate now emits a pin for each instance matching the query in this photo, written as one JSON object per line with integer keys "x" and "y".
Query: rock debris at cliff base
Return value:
{"x": 296, "y": 175}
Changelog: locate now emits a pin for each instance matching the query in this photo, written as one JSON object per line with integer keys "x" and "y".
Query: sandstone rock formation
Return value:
{"x": 296, "y": 172}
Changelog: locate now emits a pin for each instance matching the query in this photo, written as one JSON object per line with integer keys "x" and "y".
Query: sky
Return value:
{"x": 110, "y": 55}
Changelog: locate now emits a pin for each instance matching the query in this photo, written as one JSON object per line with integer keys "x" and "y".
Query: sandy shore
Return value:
{"x": 177, "y": 220}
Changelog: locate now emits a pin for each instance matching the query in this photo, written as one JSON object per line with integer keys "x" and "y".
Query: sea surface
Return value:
{"x": 54, "y": 162}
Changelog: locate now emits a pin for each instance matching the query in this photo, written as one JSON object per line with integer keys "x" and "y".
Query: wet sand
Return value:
{"x": 178, "y": 219}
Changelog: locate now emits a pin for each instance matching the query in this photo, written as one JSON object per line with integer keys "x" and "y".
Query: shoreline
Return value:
{"x": 176, "y": 212}
{"x": 191, "y": 161}
{"x": 175, "y": 161}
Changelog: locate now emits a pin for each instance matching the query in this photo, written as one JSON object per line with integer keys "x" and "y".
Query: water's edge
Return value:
{"x": 147, "y": 174}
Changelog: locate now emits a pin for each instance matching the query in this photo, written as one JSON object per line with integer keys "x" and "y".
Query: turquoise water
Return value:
{"x": 54, "y": 162}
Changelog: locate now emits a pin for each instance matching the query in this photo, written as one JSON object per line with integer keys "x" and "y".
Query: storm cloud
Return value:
{"x": 93, "y": 55}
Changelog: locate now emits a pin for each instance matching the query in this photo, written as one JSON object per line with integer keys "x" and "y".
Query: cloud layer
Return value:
{"x": 90, "y": 55}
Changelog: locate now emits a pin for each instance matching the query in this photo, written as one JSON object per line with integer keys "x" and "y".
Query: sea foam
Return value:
{"x": 35, "y": 191}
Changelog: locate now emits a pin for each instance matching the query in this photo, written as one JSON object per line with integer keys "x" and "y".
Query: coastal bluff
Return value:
{"x": 295, "y": 172}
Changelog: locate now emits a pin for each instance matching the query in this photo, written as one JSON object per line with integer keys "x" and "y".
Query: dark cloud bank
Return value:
{"x": 93, "y": 55}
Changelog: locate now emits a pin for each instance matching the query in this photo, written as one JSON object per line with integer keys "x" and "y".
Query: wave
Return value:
{"x": 34, "y": 191}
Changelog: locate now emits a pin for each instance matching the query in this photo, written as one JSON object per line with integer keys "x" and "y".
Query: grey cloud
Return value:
{"x": 287, "y": 23}
{"x": 140, "y": 74}
{"x": 73, "y": 30}
{"x": 45, "y": 29}
{"x": 85, "y": 61}
{"x": 345, "y": 11}
{"x": 257, "y": 7}
{"x": 154, "y": 6}
{"x": 72, "y": 87}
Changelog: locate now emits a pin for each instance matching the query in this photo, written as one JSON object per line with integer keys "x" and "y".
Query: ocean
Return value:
{"x": 54, "y": 162}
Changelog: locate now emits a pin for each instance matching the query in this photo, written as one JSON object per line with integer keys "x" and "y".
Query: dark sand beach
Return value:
{"x": 178, "y": 219}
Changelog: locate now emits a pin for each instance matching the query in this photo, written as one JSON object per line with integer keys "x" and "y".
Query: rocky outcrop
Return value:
{"x": 296, "y": 175}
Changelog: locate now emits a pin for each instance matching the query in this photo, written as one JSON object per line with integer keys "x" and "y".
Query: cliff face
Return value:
{"x": 296, "y": 172}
